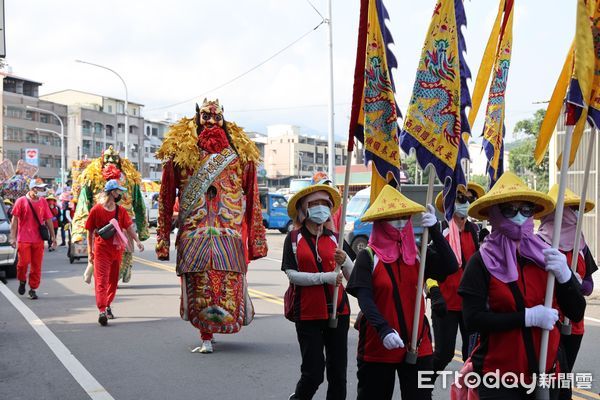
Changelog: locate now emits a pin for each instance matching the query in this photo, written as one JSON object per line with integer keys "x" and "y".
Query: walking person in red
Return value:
{"x": 105, "y": 247}
{"x": 31, "y": 213}
{"x": 51, "y": 200}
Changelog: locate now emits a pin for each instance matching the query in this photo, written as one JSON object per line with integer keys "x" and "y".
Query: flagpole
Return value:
{"x": 543, "y": 393}
{"x": 413, "y": 353}
{"x": 331, "y": 138}
{"x": 566, "y": 326}
{"x": 333, "y": 316}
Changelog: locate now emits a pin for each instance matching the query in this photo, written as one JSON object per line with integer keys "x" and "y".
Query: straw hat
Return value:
{"x": 51, "y": 197}
{"x": 510, "y": 187}
{"x": 471, "y": 186}
{"x": 331, "y": 191}
{"x": 571, "y": 199}
{"x": 391, "y": 204}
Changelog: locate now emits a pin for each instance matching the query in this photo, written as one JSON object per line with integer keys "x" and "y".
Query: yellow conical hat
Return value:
{"x": 471, "y": 186}
{"x": 571, "y": 199}
{"x": 510, "y": 187}
{"x": 391, "y": 204}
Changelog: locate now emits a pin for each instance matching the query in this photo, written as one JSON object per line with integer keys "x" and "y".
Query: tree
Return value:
{"x": 521, "y": 160}
{"x": 480, "y": 180}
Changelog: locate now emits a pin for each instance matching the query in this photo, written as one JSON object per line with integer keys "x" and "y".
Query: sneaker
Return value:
{"x": 33, "y": 295}
{"x": 22, "y": 287}
{"x": 102, "y": 319}
{"x": 63, "y": 244}
{"x": 109, "y": 313}
{"x": 293, "y": 397}
{"x": 206, "y": 347}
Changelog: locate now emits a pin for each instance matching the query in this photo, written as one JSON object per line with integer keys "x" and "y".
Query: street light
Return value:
{"x": 126, "y": 102}
{"x": 62, "y": 140}
{"x": 62, "y": 159}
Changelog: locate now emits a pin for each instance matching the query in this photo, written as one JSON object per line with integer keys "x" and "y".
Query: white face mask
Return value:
{"x": 461, "y": 209}
{"x": 519, "y": 219}
{"x": 398, "y": 223}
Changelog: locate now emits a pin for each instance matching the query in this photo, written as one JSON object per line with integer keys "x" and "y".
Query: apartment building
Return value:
{"x": 290, "y": 154}
{"x": 96, "y": 122}
{"x": 154, "y": 133}
{"x": 19, "y": 126}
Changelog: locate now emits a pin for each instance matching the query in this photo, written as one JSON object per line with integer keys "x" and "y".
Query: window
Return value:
{"x": 109, "y": 130}
{"x": 147, "y": 131}
{"x": 120, "y": 108}
{"x": 87, "y": 147}
{"x": 109, "y": 108}
{"x": 13, "y": 112}
{"x": 98, "y": 149}
{"x": 45, "y": 118}
{"x": 98, "y": 128}
{"x": 31, "y": 138}
{"x": 13, "y": 134}
{"x": 29, "y": 115}
{"x": 132, "y": 128}
{"x": 121, "y": 128}
{"x": 86, "y": 127}
{"x": 13, "y": 155}
{"x": 154, "y": 131}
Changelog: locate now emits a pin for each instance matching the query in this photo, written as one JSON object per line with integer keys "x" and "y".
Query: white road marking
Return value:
{"x": 89, "y": 384}
{"x": 270, "y": 259}
{"x": 593, "y": 319}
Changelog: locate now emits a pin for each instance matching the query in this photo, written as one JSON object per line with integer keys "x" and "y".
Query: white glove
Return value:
{"x": 556, "y": 262}
{"x": 540, "y": 316}
{"x": 578, "y": 277}
{"x": 428, "y": 218}
{"x": 392, "y": 341}
{"x": 329, "y": 278}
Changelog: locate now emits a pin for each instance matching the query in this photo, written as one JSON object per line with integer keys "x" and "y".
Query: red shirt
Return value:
{"x": 55, "y": 213}
{"x": 449, "y": 287}
{"x": 577, "y": 328}
{"x": 370, "y": 345}
{"x": 29, "y": 227}
{"x": 99, "y": 217}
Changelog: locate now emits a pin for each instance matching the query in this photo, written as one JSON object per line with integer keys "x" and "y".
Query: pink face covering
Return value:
{"x": 390, "y": 243}
{"x": 568, "y": 229}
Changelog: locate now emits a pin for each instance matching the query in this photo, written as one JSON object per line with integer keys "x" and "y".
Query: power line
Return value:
{"x": 315, "y": 8}
{"x": 286, "y": 108}
{"x": 243, "y": 73}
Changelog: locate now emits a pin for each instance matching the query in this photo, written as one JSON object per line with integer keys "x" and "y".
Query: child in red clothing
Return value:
{"x": 107, "y": 252}
{"x": 51, "y": 200}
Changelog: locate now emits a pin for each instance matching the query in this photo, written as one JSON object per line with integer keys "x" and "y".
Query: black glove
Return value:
{"x": 438, "y": 304}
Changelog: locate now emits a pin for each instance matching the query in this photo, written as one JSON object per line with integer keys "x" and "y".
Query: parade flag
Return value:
{"x": 583, "y": 96}
{"x": 374, "y": 115}
{"x": 436, "y": 119}
{"x": 494, "y": 129}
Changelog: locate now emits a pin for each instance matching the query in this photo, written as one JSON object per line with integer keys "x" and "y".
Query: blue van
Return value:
{"x": 357, "y": 233}
{"x": 274, "y": 212}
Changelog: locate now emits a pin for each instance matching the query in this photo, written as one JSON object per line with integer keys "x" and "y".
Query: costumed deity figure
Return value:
{"x": 209, "y": 166}
{"x": 90, "y": 184}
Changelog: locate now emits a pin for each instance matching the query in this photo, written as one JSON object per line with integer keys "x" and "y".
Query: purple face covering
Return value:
{"x": 499, "y": 249}
{"x": 567, "y": 230}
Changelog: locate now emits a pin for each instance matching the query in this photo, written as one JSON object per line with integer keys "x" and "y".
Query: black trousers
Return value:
{"x": 570, "y": 344}
{"x": 377, "y": 380}
{"x": 444, "y": 333}
{"x": 510, "y": 394}
{"x": 313, "y": 337}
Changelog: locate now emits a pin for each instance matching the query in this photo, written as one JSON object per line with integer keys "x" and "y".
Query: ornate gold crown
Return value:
{"x": 110, "y": 152}
{"x": 210, "y": 106}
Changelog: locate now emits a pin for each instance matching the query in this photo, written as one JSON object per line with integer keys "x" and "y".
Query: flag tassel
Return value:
{"x": 413, "y": 352}
{"x": 566, "y": 326}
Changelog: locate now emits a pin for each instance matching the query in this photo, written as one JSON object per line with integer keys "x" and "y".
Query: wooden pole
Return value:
{"x": 566, "y": 326}
{"x": 542, "y": 392}
{"x": 413, "y": 353}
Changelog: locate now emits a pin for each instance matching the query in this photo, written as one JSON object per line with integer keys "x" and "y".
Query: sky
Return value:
{"x": 171, "y": 51}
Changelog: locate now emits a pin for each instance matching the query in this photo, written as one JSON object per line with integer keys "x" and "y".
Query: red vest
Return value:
{"x": 449, "y": 287}
{"x": 506, "y": 350}
{"x": 370, "y": 346}
{"x": 309, "y": 301}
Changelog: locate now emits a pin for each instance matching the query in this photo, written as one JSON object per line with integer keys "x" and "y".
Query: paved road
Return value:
{"x": 144, "y": 353}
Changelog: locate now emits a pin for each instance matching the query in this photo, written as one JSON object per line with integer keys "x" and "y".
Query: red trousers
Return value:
{"x": 106, "y": 276}
{"x": 30, "y": 255}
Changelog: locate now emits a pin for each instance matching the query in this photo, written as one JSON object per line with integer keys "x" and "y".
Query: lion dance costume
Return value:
{"x": 90, "y": 184}
{"x": 209, "y": 166}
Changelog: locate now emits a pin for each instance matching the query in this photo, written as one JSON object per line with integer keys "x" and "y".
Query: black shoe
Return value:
{"x": 22, "y": 287}
{"x": 102, "y": 319}
{"x": 109, "y": 313}
{"x": 63, "y": 244}
{"x": 33, "y": 295}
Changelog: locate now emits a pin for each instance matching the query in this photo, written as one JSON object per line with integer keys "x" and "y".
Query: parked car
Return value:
{"x": 274, "y": 212}
{"x": 8, "y": 255}
{"x": 357, "y": 233}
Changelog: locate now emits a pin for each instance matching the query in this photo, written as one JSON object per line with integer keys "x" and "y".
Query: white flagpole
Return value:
{"x": 543, "y": 393}
{"x": 413, "y": 353}
{"x": 566, "y": 327}
{"x": 333, "y": 316}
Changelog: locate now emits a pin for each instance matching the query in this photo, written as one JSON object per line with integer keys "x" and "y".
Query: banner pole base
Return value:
{"x": 411, "y": 357}
{"x": 333, "y": 322}
{"x": 565, "y": 329}
{"x": 542, "y": 393}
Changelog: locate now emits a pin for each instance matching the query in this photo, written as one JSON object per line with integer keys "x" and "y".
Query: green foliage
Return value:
{"x": 480, "y": 180}
{"x": 521, "y": 159}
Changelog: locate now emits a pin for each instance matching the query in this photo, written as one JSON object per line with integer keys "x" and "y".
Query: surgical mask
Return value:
{"x": 461, "y": 209}
{"x": 319, "y": 214}
{"x": 519, "y": 219}
{"x": 118, "y": 198}
{"x": 398, "y": 223}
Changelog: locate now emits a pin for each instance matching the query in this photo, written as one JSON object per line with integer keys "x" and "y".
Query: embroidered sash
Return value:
{"x": 204, "y": 177}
